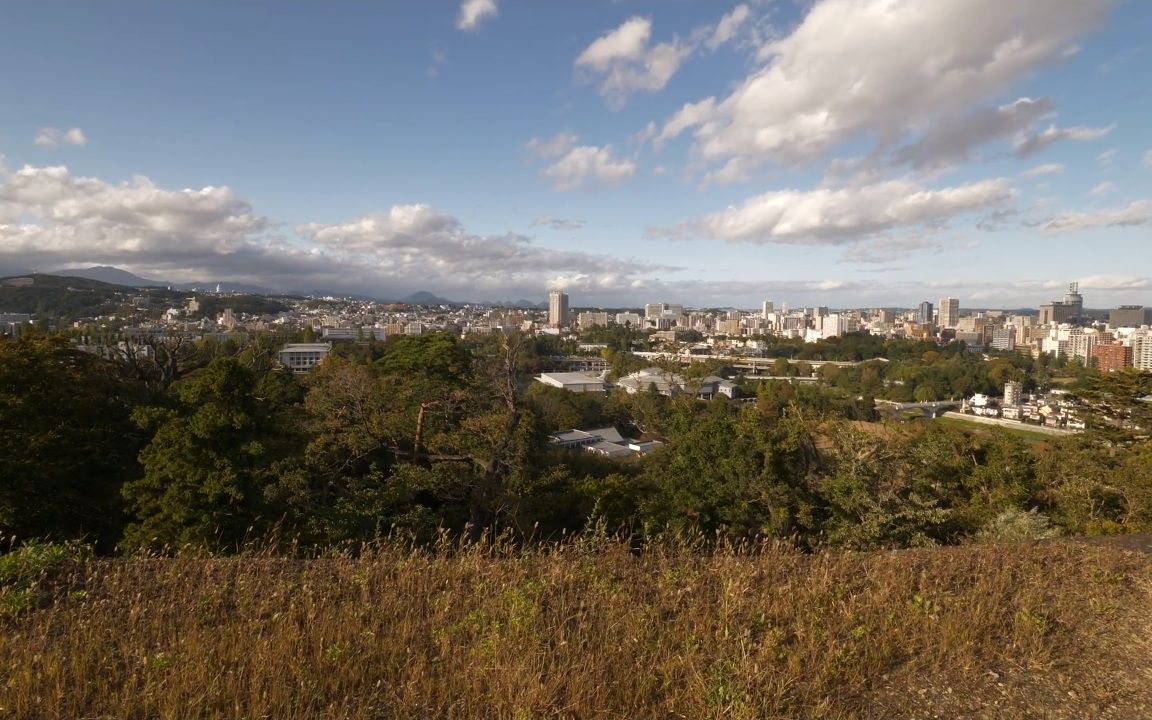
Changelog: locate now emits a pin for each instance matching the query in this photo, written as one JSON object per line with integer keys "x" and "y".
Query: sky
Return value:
{"x": 848, "y": 153}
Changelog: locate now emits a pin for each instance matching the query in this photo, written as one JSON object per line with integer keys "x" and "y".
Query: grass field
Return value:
{"x": 589, "y": 630}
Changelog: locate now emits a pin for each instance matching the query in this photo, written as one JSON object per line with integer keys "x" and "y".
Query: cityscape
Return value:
{"x": 576, "y": 359}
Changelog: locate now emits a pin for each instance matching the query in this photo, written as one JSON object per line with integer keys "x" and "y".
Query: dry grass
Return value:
{"x": 583, "y": 631}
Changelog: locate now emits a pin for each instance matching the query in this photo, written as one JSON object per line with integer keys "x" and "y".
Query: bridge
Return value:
{"x": 930, "y": 409}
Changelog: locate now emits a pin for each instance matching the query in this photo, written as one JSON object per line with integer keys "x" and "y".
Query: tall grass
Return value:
{"x": 576, "y": 631}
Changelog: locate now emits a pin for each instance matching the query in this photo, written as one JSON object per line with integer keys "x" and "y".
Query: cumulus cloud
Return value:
{"x": 1131, "y": 215}
{"x": 557, "y": 223}
{"x": 952, "y": 140}
{"x": 825, "y": 83}
{"x": 1045, "y": 169}
{"x": 1102, "y": 189}
{"x": 583, "y": 165}
{"x": 51, "y": 218}
{"x": 554, "y": 146}
{"x": 54, "y": 137}
{"x": 473, "y": 12}
{"x": 1028, "y": 145}
{"x": 418, "y": 241}
{"x": 627, "y": 64}
{"x": 588, "y": 165}
{"x": 838, "y": 216}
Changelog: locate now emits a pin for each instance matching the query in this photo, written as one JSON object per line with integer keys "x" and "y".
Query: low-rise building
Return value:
{"x": 573, "y": 382}
{"x": 302, "y": 357}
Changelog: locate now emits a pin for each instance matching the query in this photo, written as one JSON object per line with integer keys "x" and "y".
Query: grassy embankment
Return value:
{"x": 581, "y": 631}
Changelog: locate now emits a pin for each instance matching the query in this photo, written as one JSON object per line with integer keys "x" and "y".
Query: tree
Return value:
{"x": 70, "y": 443}
{"x": 209, "y": 464}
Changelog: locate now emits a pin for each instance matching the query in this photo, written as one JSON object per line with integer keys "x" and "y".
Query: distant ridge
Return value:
{"x": 116, "y": 276}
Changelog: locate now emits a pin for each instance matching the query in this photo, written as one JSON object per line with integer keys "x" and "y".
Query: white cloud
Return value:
{"x": 728, "y": 26}
{"x": 1105, "y": 158}
{"x": 1027, "y": 145}
{"x": 885, "y": 250}
{"x": 827, "y": 83}
{"x": 473, "y": 12}
{"x": 1148, "y": 159}
{"x": 54, "y": 137}
{"x": 553, "y": 146}
{"x": 557, "y": 223}
{"x": 628, "y": 64}
{"x": 1102, "y": 189}
{"x": 833, "y": 217}
{"x": 588, "y": 165}
{"x": 1131, "y": 215}
{"x": 1045, "y": 169}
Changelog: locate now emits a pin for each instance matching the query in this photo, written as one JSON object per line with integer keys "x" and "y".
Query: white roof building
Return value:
{"x": 573, "y": 382}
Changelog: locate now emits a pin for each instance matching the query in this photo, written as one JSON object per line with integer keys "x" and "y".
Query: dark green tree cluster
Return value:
{"x": 431, "y": 433}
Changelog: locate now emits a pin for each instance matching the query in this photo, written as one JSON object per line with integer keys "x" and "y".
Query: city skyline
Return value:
{"x": 624, "y": 152}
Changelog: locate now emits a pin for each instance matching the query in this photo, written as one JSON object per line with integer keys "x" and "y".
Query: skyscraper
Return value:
{"x": 557, "y": 309}
{"x": 949, "y": 312}
{"x": 766, "y": 309}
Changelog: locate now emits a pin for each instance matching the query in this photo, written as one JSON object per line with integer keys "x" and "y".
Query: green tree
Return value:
{"x": 209, "y": 464}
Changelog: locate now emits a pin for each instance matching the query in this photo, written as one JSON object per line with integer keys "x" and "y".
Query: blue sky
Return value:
{"x": 840, "y": 152}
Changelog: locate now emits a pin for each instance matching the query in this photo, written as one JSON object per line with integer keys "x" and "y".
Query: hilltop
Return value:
{"x": 585, "y": 630}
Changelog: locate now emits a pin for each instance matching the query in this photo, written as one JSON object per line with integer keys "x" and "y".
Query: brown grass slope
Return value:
{"x": 590, "y": 631}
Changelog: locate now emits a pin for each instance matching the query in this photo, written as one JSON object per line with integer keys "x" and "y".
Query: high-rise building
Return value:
{"x": 924, "y": 317}
{"x": 1130, "y": 316}
{"x": 557, "y": 309}
{"x": 1004, "y": 338}
{"x": 1112, "y": 357}
{"x": 1074, "y": 300}
{"x": 1142, "y": 350}
{"x": 766, "y": 309}
{"x": 1013, "y": 393}
{"x": 949, "y": 312}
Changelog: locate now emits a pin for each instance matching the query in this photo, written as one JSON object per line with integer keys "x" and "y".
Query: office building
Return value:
{"x": 766, "y": 309}
{"x": 1074, "y": 300}
{"x": 592, "y": 319}
{"x": 924, "y": 316}
{"x": 557, "y": 309}
{"x": 1004, "y": 338}
{"x": 949, "y": 312}
{"x": 1130, "y": 316}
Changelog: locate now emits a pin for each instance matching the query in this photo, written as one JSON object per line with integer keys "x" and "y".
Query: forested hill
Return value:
{"x": 52, "y": 297}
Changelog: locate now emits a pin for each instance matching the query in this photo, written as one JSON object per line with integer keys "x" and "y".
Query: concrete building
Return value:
{"x": 1074, "y": 300}
{"x": 632, "y": 320}
{"x": 592, "y": 319}
{"x": 302, "y": 357}
{"x": 949, "y": 312}
{"x": 1004, "y": 338}
{"x": 1013, "y": 393}
{"x": 557, "y": 309}
{"x": 573, "y": 382}
{"x": 1142, "y": 349}
{"x": 766, "y": 309}
{"x": 1130, "y": 316}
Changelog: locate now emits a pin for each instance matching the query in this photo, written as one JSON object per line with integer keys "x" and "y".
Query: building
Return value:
{"x": 557, "y": 309}
{"x": 949, "y": 312}
{"x": 1080, "y": 346}
{"x": 1142, "y": 350}
{"x": 1004, "y": 338}
{"x": 592, "y": 319}
{"x": 766, "y": 309}
{"x": 302, "y": 357}
{"x": 1013, "y": 393}
{"x": 573, "y": 382}
{"x": 629, "y": 319}
{"x": 1130, "y": 316}
{"x": 1074, "y": 300}
{"x": 924, "y": 316}
{"x": 1112, "y": 357}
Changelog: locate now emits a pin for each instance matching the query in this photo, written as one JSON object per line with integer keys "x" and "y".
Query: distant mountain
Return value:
{"x": 116, "y": 276}
{"x": 110, "y": 275}
{"x": 426, "y": 298}
{"x": 521, "y": 304}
